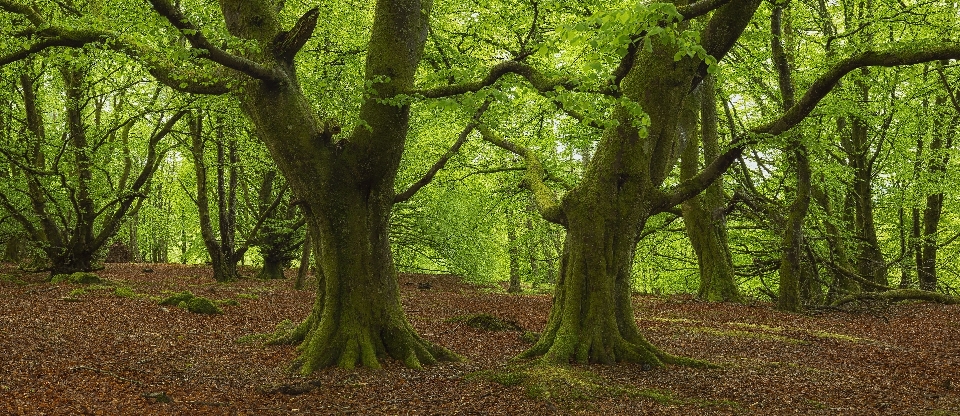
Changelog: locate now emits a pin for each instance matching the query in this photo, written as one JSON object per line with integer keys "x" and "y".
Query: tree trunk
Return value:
{"x": 304, "y": 262}
{"x": 792, "y": 276}
{"x": 346, "y": 184}
{"x": 357, "y": 318}
{"x": 592, "y": 316}
{"x": 703, "y": 216}
{"x": 221, "y": 256}
{"x": 592, "y": 319}
{"x": 514, "y": 252}
{"x": 937, "y": 166}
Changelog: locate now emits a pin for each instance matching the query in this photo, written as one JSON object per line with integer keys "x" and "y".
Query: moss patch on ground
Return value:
{"x": 282, "y": 328}
{"x": 193, "y": 303}
{"x": 487, "y": 322}
{"x": 84, "y": 278}
{"x": 568, "y": 385}
{"x": 13, "y": 279}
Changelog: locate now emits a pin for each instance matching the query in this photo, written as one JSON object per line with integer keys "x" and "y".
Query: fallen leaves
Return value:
{"x": 112, "y": 354}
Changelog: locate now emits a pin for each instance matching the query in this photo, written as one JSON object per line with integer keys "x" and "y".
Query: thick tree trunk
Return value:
{"x": 346, "y": 184}
{"x": 272, "y": 269}
{"x": 592, "y": 319}
{"x": 357, "y": 319}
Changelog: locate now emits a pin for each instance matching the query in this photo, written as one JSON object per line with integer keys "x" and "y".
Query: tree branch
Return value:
{"x": 287, "y": 44}
{"x": 896, "y": 56}
{"x": 193, "y": 34}
{"x": 537, "y": 79}
{"x": 428, "y": 177}
{"x": 546, "y": 199}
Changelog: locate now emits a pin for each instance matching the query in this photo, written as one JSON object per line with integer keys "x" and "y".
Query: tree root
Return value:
{"x": 898, "y": 295}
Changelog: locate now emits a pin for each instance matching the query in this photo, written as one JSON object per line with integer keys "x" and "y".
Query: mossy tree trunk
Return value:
{"x": 703, "y": 215}
{"x": 792, "y": 272}
{"x": 346, "y": 185}
{"x": 592, "y": 317}
{"x": 220, "y": 247}
{"x": 933, "y": 211}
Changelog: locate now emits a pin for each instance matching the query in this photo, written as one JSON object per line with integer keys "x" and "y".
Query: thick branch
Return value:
{"x": 428, "y": 177}
{"x": 821, "y": 87}
{"x": 897, "y": 56}
{"x": 287, "y": 44}
{"x": 537, "y": 79}
{"x": 547, "y": 202}
{"x": 700, "y": 8}
{"x": 193, "y": 34}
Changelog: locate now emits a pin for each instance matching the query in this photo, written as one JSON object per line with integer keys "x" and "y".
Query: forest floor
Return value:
{"x": 111, "y": 349}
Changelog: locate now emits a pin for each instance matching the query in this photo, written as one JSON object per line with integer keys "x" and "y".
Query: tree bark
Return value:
{"x": 346, "y": 185}
{"x": 703, "y": 215}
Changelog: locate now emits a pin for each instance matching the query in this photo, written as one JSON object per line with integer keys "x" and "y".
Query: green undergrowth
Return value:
{"x": 763, "y": 336}
{"x": 486, "y": 322}
{"x": 570, "y": 385}
{"x": 282, "y": 328}
{"x": 13, "y": 279}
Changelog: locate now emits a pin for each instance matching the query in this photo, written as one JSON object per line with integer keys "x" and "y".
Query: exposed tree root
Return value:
{"x": 898, "y": 295}
{"x": 608, "y": 350}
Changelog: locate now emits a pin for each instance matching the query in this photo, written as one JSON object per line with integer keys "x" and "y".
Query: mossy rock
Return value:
{"x": 487, "y": 322}
{"x": 83, "y": 278}
{"x": 176, "y": 298}
{"x": 203, "y": 305}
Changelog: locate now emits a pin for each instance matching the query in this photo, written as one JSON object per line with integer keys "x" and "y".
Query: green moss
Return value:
{"x": 248, "y": 296}
{"x": 75, "y": 293}
{"x": 12, "y": 279}
{"x": 566, "y": 383}
{"x": 202, "y": 305}
{"x": 84, "y": 278}
{"x": 124, "y": 292}
{"x": 530, "y": 337}
{"x": 279, "y": 331}
{"x": 487, "y": 322}
{"x": 227, "y": 302}
{"x": 177, "y": 298}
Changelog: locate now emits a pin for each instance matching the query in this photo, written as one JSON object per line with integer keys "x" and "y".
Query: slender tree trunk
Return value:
{"x": 792, "y": 276}
{"x": 304, "y": 263}
{"x": 939, "y": 159}
{"x": 221, "y": 258}
{"x": 514, "y": 252}
{"x": 703, "y": 216}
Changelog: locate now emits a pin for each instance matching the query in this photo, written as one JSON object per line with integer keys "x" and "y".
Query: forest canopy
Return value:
{"x": 796, "y": 152}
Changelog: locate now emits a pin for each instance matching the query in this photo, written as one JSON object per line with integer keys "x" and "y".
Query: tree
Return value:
{"x": 68, "y": 200}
